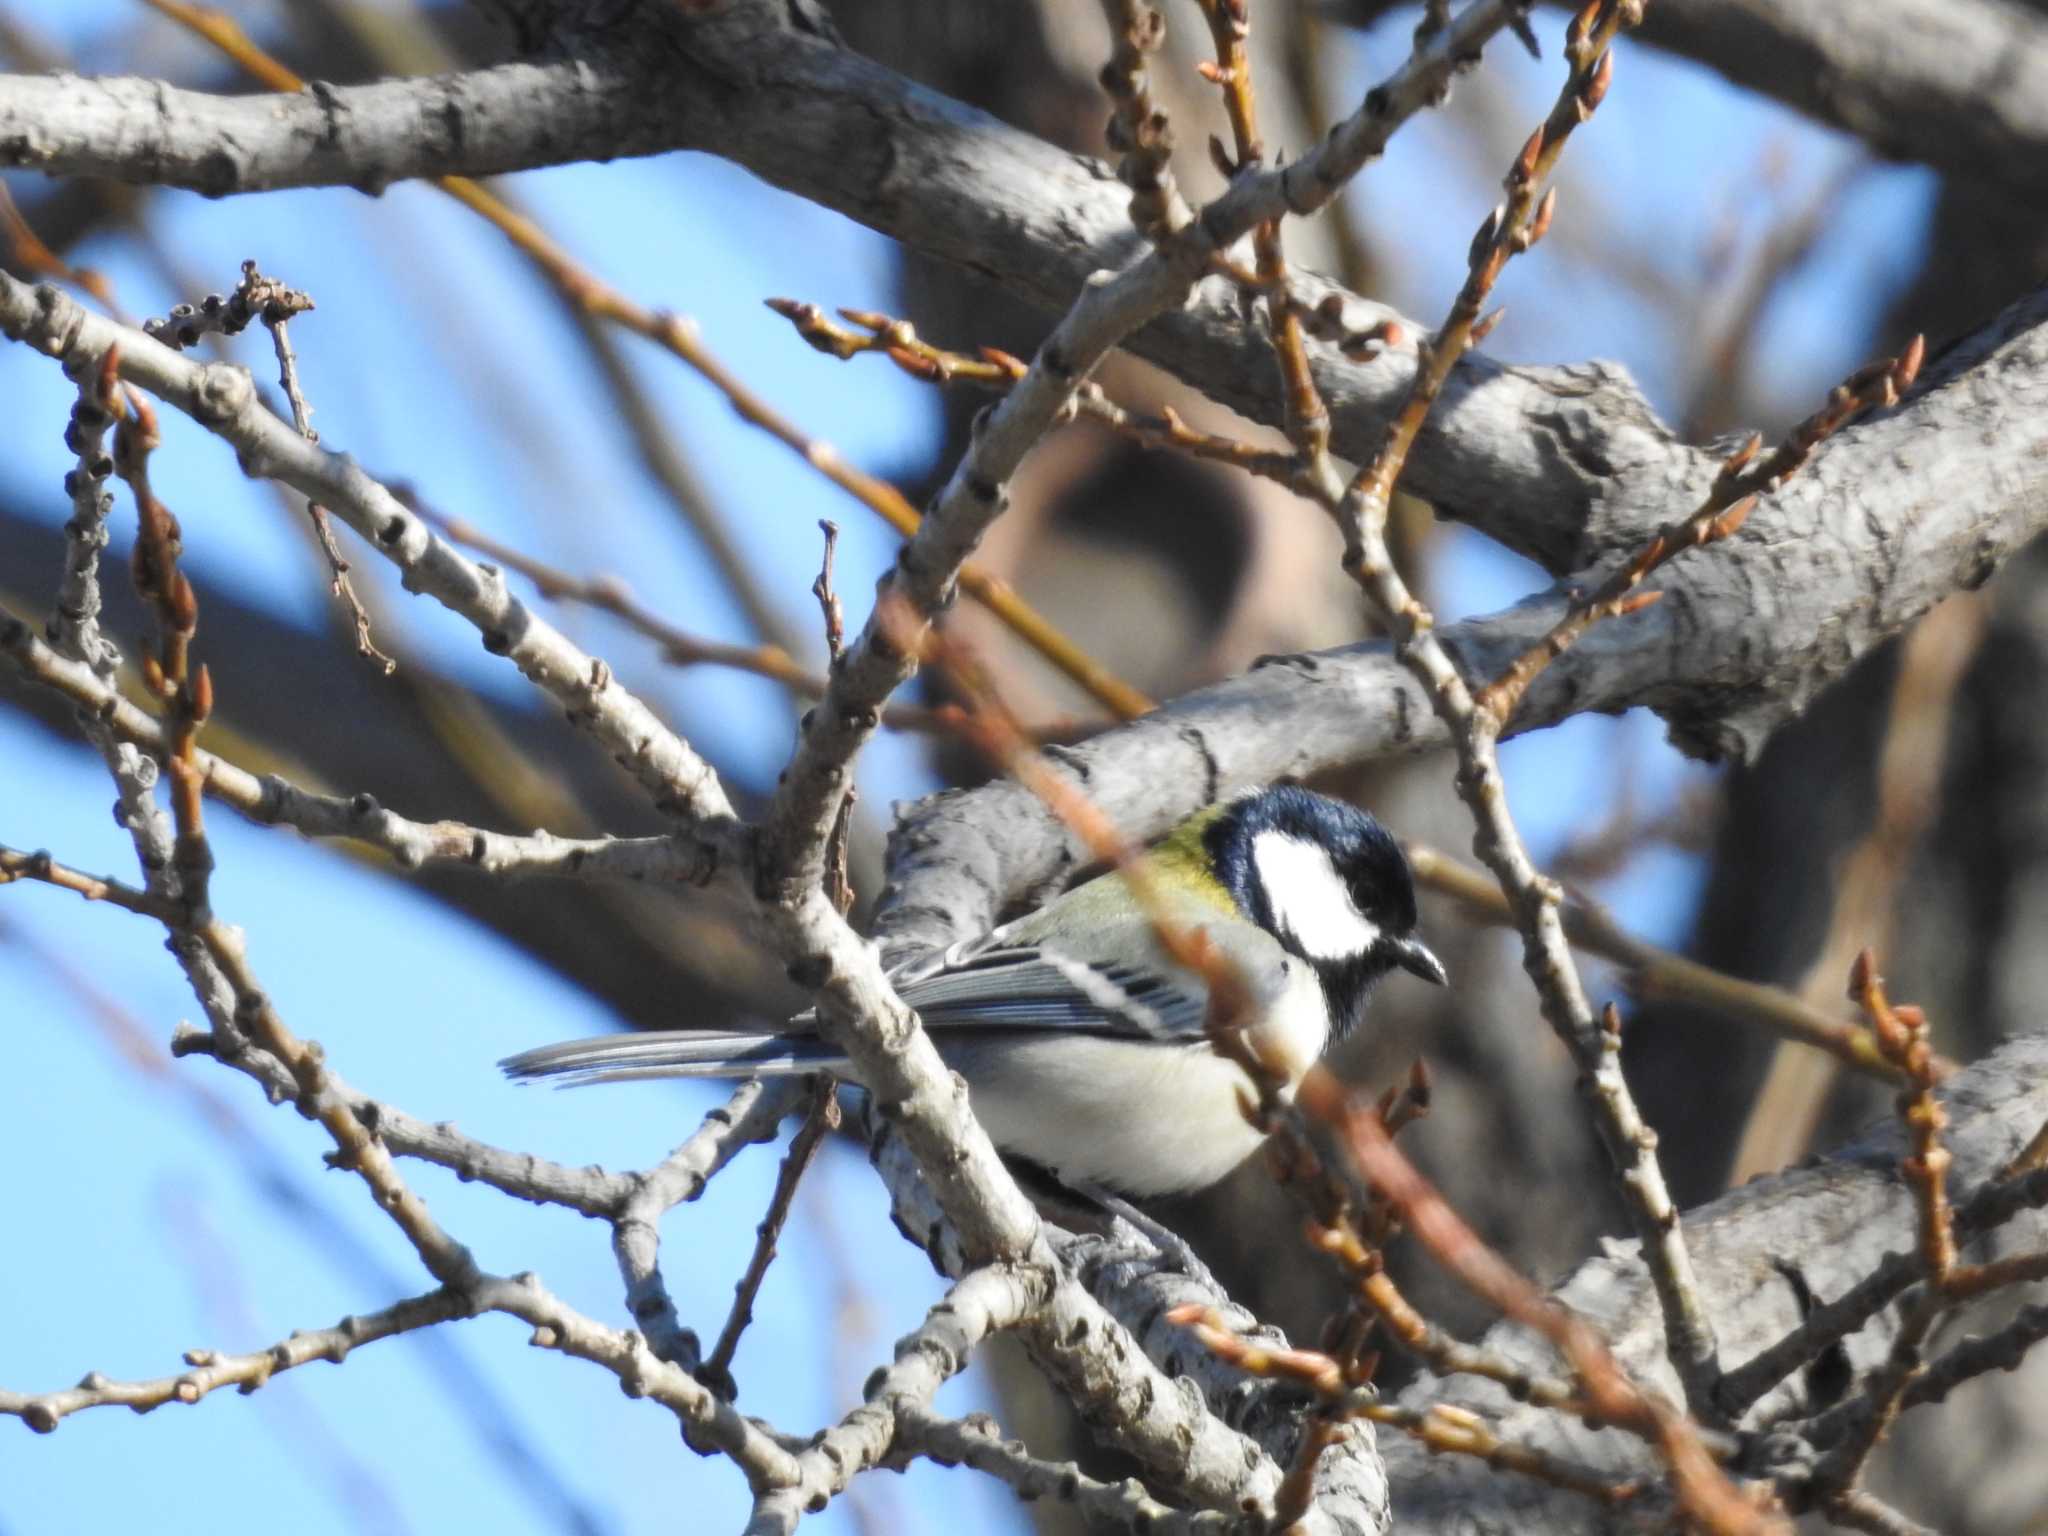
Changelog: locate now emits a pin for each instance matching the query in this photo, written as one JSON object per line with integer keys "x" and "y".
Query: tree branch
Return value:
{"x": 1875, "y": 530}
{"x": 1834, "y": 1222}
{"x": 1561, "y": 464}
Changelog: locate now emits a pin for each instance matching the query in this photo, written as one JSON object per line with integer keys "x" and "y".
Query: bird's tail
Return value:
{"x": 674, "y": 1053}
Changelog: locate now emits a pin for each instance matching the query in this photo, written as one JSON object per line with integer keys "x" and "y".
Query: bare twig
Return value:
{"x": 983, "y": 1302}
{"x": 272, "y": 800}
{"x": 838, "y": 878}
{"x": 992, "y": 368}
{"x": 17, "y": 865}
{"x": 1442, "y": 1427}
{"x": 821, "y": 1118}
{"x": 611, "y": 594}
{"x": 210, "y": 1370}
{"x": 1703, "y": 1490}
{"x": 679, "y": 336}
{"x": 1861, "y": 1510}
{"x": 977, "y": 1442}
{"x": 1139, "y": 130}
{"x": 751, "y": 1115}
{"x": 1655, "y": 974}
{"x": 275, "y": 313}
{"x": 1361, "y": 515}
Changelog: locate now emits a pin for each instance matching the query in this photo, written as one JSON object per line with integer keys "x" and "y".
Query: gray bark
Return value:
{"x": 1892, "y": 516}
{"x": 1831, "y": 1223}
{"x": 1557, "y": 463}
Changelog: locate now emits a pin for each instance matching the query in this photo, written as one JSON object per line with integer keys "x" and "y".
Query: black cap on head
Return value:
{"x": 1329, "y": 882}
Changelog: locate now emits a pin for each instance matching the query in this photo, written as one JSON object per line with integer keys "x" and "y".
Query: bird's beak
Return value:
{"x": 1414, "y": 957}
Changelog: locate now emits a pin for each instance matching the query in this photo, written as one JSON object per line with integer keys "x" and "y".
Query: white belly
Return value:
{"x": 1132, "y": 1116}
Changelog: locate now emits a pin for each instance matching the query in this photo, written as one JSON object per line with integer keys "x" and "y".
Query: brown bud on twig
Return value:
{"x": 1009, "y": 362}
{"x": 1525, "y": 163}
{"x": 1483, "y": 237}
{"x": 1580, "y": 26}
{"x": 202, "y": 695}
{"x": 1595, "y": 90}
{"x": 183, "y": 608}
{"x": 1728, "y": 522}
{"x": 1739, "y": 460}
{"x": 930, "y": 369}
{"x": 1907, "y": 368}
{"x": 1539, "y": 225}
{"x": 1483, "y": 326}
{"x": 108, "y": 384}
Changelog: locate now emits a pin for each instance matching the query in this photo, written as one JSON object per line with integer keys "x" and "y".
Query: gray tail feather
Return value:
{"x": 673, "y": 1053}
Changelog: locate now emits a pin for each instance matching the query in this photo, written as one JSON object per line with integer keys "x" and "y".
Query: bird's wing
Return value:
{"x": 1041, "y": 987}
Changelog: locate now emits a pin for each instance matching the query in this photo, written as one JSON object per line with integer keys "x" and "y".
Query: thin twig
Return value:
{"x": 679, "y": 336}
{"x": 1857, "y": 1426}
{"x": 1443, "y": 1428}
{"x": 1139, "y": 129}
{"x": 272, "y": 800}
{"x": 983, "y": 1301}
{"x": 2004, "y": 1350}
{"x": 838, "y": 877}
{"x": 751, "y": 1115}
{"x": 611, "y": 594}
{"x": 1361, "y": 515}
{"x": 977, "y": 1442}
{"x": 1659, "y": 975}
{"x": 39, "y": 866}
{"x": 821, "y": 1117}
{"x": 276, "y": 314}
{"x": 992, "y": 368}
{"x": 1861, "y": 1510}
{"x": 210, "y": 1370}
{"x": 1703, "y": 1490}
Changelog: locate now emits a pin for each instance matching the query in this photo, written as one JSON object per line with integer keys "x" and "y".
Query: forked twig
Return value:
{"x": 821, "y": 1117}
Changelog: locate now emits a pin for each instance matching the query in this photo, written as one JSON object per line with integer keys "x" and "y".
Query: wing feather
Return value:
{"x": 1041, "y": 988}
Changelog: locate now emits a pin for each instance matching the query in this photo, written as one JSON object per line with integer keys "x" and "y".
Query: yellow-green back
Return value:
{"x": 1179, "y": 870}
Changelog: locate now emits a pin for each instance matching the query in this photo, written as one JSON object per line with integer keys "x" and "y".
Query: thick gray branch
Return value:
{"x": 1893, "y": 515}
{"x": 1829, "y": 1224}
{"x": 1823, "y": 1228}
{"x": 1561, "y": 464}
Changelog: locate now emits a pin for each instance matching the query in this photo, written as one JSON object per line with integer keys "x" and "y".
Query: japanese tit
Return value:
{"x": 1081, "y": 1041}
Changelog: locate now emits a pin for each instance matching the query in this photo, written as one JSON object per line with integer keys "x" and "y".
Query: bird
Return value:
{"x": 1082, "y": 1041}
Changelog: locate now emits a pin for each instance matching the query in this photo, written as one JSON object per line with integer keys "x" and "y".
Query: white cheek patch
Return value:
{"x": 1310, "y": 899}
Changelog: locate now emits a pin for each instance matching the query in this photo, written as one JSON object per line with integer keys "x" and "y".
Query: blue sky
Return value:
{"x": 141, "y": 1224}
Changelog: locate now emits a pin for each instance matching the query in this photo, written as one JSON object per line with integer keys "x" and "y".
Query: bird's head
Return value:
{"x": 1330, "y": 883}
